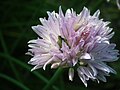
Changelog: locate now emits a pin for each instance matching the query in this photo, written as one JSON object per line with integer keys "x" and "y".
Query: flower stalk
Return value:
{"x": 53, "y": 79}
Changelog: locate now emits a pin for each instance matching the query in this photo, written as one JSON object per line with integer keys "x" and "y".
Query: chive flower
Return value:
{"x": 79, "y": 42}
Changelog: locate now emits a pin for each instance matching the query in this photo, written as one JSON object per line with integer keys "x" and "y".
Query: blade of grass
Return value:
{"x": 15, "y": 60}
{"x": 3, "y": 43}
{"x": 6, "y": 52}
{"x": 53, "y": 79}
{"x": 19, "y": 62}
{"x": 14, "y": 81}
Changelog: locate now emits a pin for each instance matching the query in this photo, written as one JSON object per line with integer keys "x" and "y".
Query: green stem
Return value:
{"x": 6, "y": 52}
{"x": 3, "y": 43}
{"x": 14, "y": 81}
{"x": 19, "y": 62}
{"x": 62, "y": 83}
{"x": 53, "y": 79}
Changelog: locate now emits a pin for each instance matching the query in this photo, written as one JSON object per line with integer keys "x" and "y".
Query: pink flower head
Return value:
{"x": 76, "y": 41}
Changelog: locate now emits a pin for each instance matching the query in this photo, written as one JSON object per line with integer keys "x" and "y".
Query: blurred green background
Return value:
{"x": 16, "y": 19}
